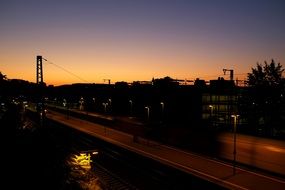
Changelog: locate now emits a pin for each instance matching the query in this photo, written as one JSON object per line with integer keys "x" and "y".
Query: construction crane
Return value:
{"x": 231, "y": 73}
{"x": 109, "y": 80}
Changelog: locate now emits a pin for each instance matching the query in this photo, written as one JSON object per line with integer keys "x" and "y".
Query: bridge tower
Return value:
{"x": 40, "y": 70}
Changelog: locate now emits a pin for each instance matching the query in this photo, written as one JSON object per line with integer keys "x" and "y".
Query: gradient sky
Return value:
{"x": 127, "y": 40}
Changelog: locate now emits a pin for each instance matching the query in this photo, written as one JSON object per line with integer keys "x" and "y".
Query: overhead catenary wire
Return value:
{"x": 80, "y": 78}
{"x": 69, "y": 72}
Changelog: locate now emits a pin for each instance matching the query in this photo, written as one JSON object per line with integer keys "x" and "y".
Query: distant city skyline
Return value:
{"x": 139, "y": 40}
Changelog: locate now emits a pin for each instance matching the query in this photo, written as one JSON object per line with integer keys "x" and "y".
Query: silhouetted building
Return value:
{"x": 219, "y": 102}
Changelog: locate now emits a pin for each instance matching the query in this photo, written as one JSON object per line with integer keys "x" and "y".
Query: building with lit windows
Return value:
{"x": 219, "y": 102}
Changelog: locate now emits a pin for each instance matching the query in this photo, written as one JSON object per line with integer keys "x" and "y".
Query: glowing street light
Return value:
{"x": 66, "y": 107}
{"x": 64, "y": 102}
{"x": 162, "y": 109}
{"x": 235, "y": 151}
{"x": 81, "y": 101}
{"x": 105, "y": 106}
{"x": 211, "y": 110}
{"x": 110, "y": 104}
{"x": 131, "y": 107}
{"x": 211, "y": 114}
{"x": 147, "y": 109}
{"x": 94, "y": 100}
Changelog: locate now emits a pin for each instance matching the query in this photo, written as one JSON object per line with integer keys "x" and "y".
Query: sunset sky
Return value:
{"x": 127, "y": 40}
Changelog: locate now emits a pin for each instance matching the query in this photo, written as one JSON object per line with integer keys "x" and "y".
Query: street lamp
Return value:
{"x": 211, "y": 114}
{"x": 64, "y": 102}
{"x": 131, "y": 107}
{"x": 105, "y": 106}
{"x": 94, "y": 102}
{"x": 110, "y": 104}
{"x": 66, "y": 107}
{"x": 235, "y": 150}
{"x": 81, "y": 101}
{"x": 147, "y": 109}
{"x": 162, "y": 109}
{"x": 211, "y": 110}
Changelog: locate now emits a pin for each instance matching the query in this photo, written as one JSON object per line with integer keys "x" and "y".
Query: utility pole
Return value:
{"x": 40, "y": 83}
{"x": 40, "y": 70}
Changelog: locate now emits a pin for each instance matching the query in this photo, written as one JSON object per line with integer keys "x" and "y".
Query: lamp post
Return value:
{"x": 105, "y": 106}
{"x": 105, "y": 110}
{"x": 211, "y": 114}
{"x": 131, "y": 107}
{"x": 235, "y": 150}
{"x": 81, "y": 101}
{"x": 110, "y": 104}
{"x": 64, "y": 103}
{"x": 162, "y": 110}
{"x": 147, "y": 112}
{"x": 211, "y": 110}
{"x": 94, "y": 102}
{"x": 54, "y": 101}
{"x": 66, "y": 107}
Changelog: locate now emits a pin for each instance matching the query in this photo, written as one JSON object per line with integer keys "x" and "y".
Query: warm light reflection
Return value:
{"x": 81, "y": 171}
{"x": 83, "y": 160}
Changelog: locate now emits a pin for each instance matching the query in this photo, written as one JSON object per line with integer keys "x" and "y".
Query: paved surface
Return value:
{"x": 267, "y": 154}
{"x": 262, "y": 153}
{"x": 202, "y": 167}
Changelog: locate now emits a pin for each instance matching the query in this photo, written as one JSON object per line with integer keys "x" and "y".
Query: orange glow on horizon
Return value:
{"x": 135, "y": 67}
{"x": 126, "y": 71}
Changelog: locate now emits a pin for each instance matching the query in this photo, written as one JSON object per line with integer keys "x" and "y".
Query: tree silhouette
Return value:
{"x": 267, "y": 75}
{"x": 2, "y": 76}
{"x": 265, "y": 99}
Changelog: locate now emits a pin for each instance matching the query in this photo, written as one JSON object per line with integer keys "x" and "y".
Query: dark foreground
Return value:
{"x": 43, "y": 158}
{"x": 44, "y": 161}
